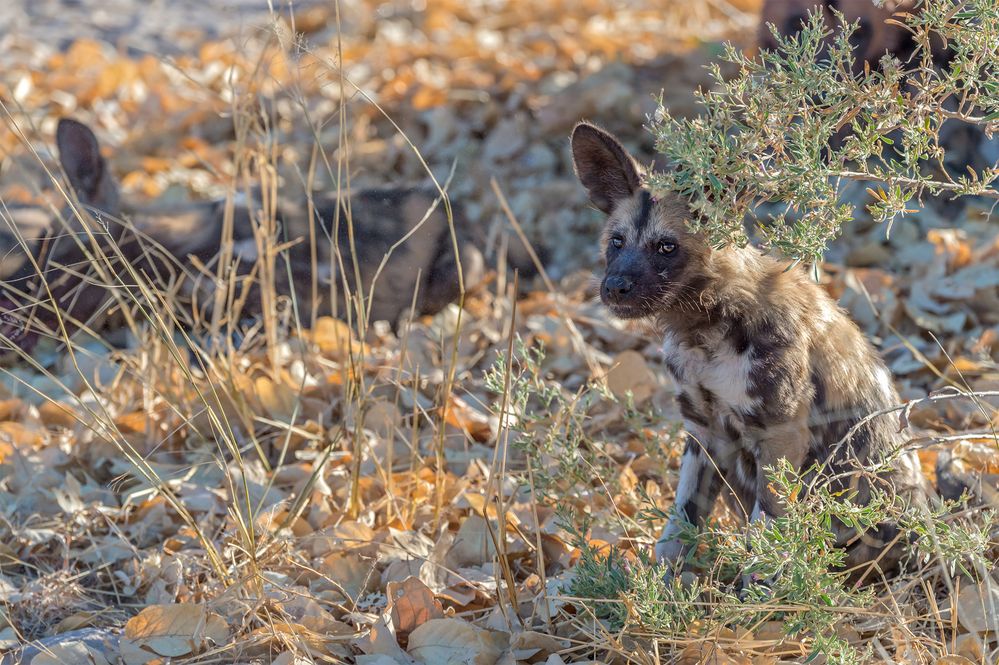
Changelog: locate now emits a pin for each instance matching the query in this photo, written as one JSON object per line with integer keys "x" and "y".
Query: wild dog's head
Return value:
{"x": 653, "y": 262}
{"x": 873, "y": 37}
{"x": 788, "y": 16}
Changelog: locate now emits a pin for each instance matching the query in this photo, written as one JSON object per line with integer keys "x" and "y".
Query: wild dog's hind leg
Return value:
{"x": 696, "y": 493}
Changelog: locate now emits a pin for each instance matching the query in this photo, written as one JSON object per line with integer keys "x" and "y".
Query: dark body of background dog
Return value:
{"x": 393, "y": 246}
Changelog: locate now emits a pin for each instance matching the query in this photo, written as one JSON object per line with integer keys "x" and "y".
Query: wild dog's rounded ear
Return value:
{"x": 604, "y": 167}
{"x": 80, "y": 157}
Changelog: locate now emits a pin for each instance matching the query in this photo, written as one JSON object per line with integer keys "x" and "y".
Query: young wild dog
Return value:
{"x": 406, "y": 224}
{"x": 878, "y": 31}
{"x": 787, "y": 16}
{"x": 767, "y": 365}
{"x": 34, "y": 245}
{"x": 405, "y": 220}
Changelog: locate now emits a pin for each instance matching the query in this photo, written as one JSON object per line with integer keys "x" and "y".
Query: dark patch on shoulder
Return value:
{"x": 689, "y": 412}
{"x": 738, "y": 336}
{"x": 770, "y": 336}
{"x": 778, "y": 377}
{"x": 819, "y": 388}
{"x": 707, "y": 396}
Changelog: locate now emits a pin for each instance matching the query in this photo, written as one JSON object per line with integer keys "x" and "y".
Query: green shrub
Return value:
{"x": 794, "y": 124}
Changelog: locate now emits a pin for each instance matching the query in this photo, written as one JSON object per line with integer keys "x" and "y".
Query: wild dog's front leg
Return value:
{"x": 696, "y": 493}
{"x": 785, "y": 441}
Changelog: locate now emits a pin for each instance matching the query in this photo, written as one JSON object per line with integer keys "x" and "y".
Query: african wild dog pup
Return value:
{"x": 33, "y": 244}
{"x": 878, "y": 30}
{"x": 767, "y": 365}
{"x": 401, "y": 243}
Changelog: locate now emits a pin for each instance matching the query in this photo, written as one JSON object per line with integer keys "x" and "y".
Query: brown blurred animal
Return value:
{"x": 787, "y": 16}
{"x": 768, "y": 367}
{"x": 875, "y": 34}
{"x": 409, "y": 226}
{"x": 401, "y": 242}
{"x": 46, "y": 264}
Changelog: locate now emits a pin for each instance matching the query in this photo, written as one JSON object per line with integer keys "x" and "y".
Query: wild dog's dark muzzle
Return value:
{"x": 617, "y": 287}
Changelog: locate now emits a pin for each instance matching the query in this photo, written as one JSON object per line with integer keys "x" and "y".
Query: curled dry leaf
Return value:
{"x": 457, "y": 642}
{"x": 171, "y": 631}
{"x": 462, "y": 415}
{"x": 411, "y": 604}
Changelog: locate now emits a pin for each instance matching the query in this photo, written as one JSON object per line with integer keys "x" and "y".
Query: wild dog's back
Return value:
{"x": 407, "y": 223}
{"x": 400, "y": 239}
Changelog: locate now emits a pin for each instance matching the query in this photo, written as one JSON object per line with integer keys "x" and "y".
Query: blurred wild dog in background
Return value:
{"x": 767, "y": 366}
{"x": 875, "y": 35}
{"x": 879, "y": 33}
{"x": 47, "y": 261}
{"x": 399, "y": 236}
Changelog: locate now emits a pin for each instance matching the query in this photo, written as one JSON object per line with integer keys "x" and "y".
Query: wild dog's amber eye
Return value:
{"x": 617, "y": 242}
{"x": 666, "y": 247}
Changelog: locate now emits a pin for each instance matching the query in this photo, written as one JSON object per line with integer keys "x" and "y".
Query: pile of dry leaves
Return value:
{"x": 333, "y": 497}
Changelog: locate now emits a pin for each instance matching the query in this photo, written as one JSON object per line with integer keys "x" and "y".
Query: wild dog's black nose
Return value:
{"x": 617, "y": 286}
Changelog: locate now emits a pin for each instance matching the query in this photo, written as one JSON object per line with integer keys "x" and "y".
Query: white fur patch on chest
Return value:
{"x": 715, "y": 367}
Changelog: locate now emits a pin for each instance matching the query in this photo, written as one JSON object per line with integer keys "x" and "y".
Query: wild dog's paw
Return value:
{"x": 670, "y": 551}
{"x": 755, "y": 587}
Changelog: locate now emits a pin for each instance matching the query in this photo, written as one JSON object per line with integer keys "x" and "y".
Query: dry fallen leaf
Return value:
{"x": 457, "y": 642}
{"x": 381, "y": 641}
{"x": 473, "y": 545}
{"x": 630, "y": 373}
{"x": 411, "y": 604}
{"x": 706, "y": 653}
{"x": 171, "y": 631}
{"x": 334, "y": 337}
{"x": 350, "y": 573}
{"x": 978, "y": 607}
